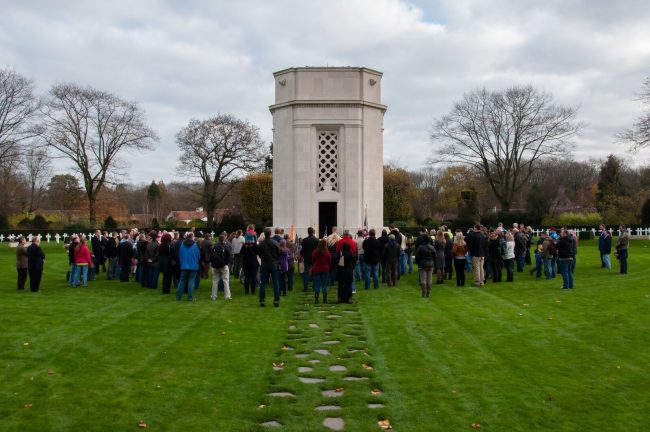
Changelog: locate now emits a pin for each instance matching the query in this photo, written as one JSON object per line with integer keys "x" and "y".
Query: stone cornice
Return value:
{"x": 328, "y": 104}
{"x": 328, "y": 69}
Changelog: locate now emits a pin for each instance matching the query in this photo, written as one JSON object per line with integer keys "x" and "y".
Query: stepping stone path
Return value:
{"x": 334, "y": 423}
{"x": 327, "y": 408}
{"x": 282, "y": 394}
{"x": 327, "y": 340}
{"x": 311, "y": 380}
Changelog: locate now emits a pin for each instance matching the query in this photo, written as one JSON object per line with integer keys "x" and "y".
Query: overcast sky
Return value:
{"x": 194, "y": 59}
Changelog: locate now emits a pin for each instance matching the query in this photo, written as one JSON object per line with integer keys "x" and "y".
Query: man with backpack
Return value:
{"x": 219, "y": 259}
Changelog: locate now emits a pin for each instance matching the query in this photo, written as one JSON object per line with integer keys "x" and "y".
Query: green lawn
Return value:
{"x": 522, "y": 356}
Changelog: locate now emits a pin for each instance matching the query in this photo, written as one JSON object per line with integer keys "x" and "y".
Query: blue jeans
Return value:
{"x": 509, "y": 265}
{"x": 549, "y": 270}
{"x": 401, "y": 263}
{"x": 409, "y": 261}
{"x": 80, "y": 275}
{"x": 73, "y": 271}
{"x": 520, "y": 263}
{"x": 306, "y": 277}
{"x": 372, "y": 270}
{"x": 622, "y": 260}
{"x": 186, "y": 280}
{"x": 152, "y": 277}
{"x": 359, "y": 269}
{"x": 606, "y": 261}
{"x": 567, "y": 276}
{"x": 320, "y": 283}
{"x": 264, "y": 279}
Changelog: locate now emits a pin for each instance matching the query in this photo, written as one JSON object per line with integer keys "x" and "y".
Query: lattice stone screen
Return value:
{"x": 328, "y": 145}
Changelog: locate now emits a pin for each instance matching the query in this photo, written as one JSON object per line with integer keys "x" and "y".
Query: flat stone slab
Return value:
{"x": 333, "y": 316}
{"x": 375, "y": 405}
{"x": 331, "y": 393}
{"x": 282, "y": 394}
{"x": 292, "y": 327}
{"x": 327, "y": 408}
{"x": 314, "y": 361}
{"x": 300, "y": 356}
{"x": 349, "y": 311}
{"x": 338, "y": 368}
{"x": 312, "y": 325}
{"x": 334, "y": 423}
{"x": 331, "y": 342}
{"x": 305, "y": 369}
{"x": 311, "y": 380}
{"x": 271, "y": 424}
{"x": 354, "y": 378}
{"x": 322, "y": 351}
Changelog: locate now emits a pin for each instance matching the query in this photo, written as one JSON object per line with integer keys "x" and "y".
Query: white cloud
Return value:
{"x": 194, "y": 59}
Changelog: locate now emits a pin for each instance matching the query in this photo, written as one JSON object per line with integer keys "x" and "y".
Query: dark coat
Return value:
{"x": 125, "y": 252}
{"x": 249, "y": 253}
{"x": 565, "y": 248}
{"x": 269, "y": 253}
{"x": 21, "y": 257}
{"x": 425, "y": 256}
{"x": 391, "y": 251}
{"x": 308, "y": 244}
{"x": 371, "y": 251}
{"x": 98, "y": 249}
{"x": 606, "y": 247}
{"x": 474, "y": 240}
{"x": 35, "y": 257}
{"x": 165, "y": 258}
{"x": 110, "y": 249}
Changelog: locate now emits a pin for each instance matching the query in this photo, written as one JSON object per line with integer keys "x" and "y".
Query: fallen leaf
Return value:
{"x": 26, "y": 343}
{"x": 366, "y": 366}
{"x": 525, "y": 305}
{"x": 285, "y": 347}
{"x": 230, "y": 321}
{"x": 375, "y": 391}
{"x": 31, "y": 378}
{"x": 28, "y": 405}
{"x": 261, "y": 406}
{"x": 384, "y": 424}
{"x": 618, "y": 367}
{"x": 476, "y": 425}
{"x": 223, "y": 333}
{"x": 549, "y": 318}
{"x": 549, "y": 398}
{"x": 50, "y": 372}
{"x": 142, "y": 424}
{"x": 339, "y": 390}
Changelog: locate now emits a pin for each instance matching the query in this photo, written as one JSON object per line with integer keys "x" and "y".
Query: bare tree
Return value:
{"x": 639, "y": 135}
{"x": 38, "y": 170}
{"x": 18, "y": 109}
{"x": 219, "y": 151}
{"x": 504, "y": 134}
{"x": 91, "y": 127}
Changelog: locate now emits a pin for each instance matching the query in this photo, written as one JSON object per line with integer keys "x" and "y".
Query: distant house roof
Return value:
{"x": 184, "y": 215}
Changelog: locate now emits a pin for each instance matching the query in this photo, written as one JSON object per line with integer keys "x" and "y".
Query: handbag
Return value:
{"x": 301, "y": 267}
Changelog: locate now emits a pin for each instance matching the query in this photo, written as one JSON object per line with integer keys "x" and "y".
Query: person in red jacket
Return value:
{"x": 347, "y": 238}
{"x": 82, "y": 262}
{"x": 321, "y": 260}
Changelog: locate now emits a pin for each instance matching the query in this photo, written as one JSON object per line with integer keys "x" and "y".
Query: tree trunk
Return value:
{"x": 92, "y": 215}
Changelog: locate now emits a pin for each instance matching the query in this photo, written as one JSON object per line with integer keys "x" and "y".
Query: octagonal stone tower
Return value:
{"x": 327, "y": 148}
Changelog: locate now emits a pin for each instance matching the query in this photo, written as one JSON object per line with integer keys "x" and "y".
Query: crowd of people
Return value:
{"x": 272, "y": 259}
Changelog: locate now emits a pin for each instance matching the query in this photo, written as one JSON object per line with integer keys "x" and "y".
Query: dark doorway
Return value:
{"x": 326, "y": 218}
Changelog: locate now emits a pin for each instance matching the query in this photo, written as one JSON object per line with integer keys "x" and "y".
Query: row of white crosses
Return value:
{"x": 57, "y": 237}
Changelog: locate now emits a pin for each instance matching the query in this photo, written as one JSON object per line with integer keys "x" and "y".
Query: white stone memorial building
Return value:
{"x": 327, "y": 148}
